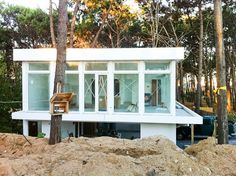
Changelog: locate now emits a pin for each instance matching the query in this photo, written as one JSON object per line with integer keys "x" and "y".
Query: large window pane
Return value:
{"x": 126, "y": 93}
{"x": 157, "y": 93}
{"x": 72, "y": 85}
{"x": 89, "y": 92}
{"x": 72, "y": 65}
{"x": 102, "y": 92}
{"x": 156, "y": 66}
{"x": 38, "y": 66}
{"x": 95, "y": 66}
{"x": 38, "y": 92}
{"x": 126, "y": 66}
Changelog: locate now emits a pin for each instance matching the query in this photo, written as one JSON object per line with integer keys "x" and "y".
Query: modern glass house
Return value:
{"x": 129, "y": 92}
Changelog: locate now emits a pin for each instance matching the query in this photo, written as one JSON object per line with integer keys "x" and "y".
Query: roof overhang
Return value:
{"x": 101, "y": 54}
{"x": 186, "y": 115}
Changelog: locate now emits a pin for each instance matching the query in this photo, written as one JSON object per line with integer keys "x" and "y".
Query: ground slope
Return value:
{"x": 105, "y": 156}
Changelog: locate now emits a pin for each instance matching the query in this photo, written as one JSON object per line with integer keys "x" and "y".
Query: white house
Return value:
{"x": 130, "y": 91}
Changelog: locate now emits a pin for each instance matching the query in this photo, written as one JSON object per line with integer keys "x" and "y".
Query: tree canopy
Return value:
{"x": 115, "y": 23}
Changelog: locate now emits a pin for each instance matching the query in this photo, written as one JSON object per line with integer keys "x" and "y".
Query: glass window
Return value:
{"x": 38, "y": 66}
{"x": 126, "y": 92}
{"x": 89, "y": 92}
{"x": 126, "y": 66}
{"x": 102, "y": 92}
{"x": 156, "y": 66}
{"x": 72, "y": 85}
{"x": 157, "y": 93}
{"x": 38, "y": 98}
{"x": 95, "y": 66}
{"x": 72, "y": 65}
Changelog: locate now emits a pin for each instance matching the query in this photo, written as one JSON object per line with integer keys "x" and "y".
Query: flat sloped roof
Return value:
{"x": 186, "y": 113}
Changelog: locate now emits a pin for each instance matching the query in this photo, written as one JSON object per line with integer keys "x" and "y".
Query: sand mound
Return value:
{"x": 221, "y": 159}
{"x": 109, "y": 156}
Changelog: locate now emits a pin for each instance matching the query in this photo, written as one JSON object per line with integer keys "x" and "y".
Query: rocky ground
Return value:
{"x": 105, "y": 156}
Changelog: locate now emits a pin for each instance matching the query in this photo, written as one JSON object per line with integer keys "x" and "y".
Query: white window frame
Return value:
{"x": 110, "y": 72}
{"x": 26, "y": 71}
{"x": 131, "y": 72}
{"x": 170, "y": 71}
{"x": 96, "y": 75}
{"x": 75, "y": 72}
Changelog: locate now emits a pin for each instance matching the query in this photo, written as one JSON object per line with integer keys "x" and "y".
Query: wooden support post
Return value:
{"x": 214, "y": 131}
{"x": 192, "y": 134}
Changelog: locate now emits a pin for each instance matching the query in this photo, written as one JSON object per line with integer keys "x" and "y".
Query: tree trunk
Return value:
{"x": 207, "y": 94}
{"x": 228, "y": 96}
{"x": 104, "y": 17}
{"x": 228, "y": 92}
{"x": 181, "y": 80}
{"x": 97, "y": 34}
{"x": 234, "y": 87}
{"x": 55, "y": 131}
{"x": 199, "y": 91}
{"x": 220, "y": 75}
{"x": 211, "y": 89}
{"x": 52, "y": 25}
{"x": 72, "y": 27}
{"x": 111, "y": 39}
{"x": 118, "y": 39}
{"x": 177, "y": 82}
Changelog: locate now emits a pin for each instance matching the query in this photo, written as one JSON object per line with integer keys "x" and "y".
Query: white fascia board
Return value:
{"x": 19, "y": 115}
{"x": 42, "y": 54}
{"x": 101, "y": 54}
{"x": 106, "y": 117}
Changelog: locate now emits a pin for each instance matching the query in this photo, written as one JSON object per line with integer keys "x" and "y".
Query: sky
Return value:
{"x": 43, "y": 4}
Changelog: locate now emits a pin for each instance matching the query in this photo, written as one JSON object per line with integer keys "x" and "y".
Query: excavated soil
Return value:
{"x": 105, "y": 156}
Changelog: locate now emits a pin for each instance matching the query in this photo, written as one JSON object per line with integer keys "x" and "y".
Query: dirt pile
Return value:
{"x": 220, "y": 159}
{"x": 109, "y": 156}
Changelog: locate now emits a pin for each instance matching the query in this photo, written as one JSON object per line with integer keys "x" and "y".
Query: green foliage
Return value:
{"x": 28, "y": 27}
{"x": 41, "y": 135}
{"x": 10, "y": 97}
{"x": 232, "y": 117}
{"x": 20, "y": 27}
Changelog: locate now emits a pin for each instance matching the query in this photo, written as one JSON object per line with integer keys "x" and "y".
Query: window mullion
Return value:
{"x": 110, "y": 89}
{"x": 141, "y": 87}
{"x": 81, "y": 87}
{"x": 96, "y": 93}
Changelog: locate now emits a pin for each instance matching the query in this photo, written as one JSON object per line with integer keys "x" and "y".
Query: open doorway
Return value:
{"x": 33, "y": 128}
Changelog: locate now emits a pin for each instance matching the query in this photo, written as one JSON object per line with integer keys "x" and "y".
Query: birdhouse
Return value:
{"x": 59, "y": 103}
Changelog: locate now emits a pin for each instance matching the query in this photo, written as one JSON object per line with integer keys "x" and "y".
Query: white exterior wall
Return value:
{"x": 66, "y": 128}
{"x": 25, "y": 127}
{"x": 152, "y": 129}
{"x": 46, "y": 128}
{"x": 185, "y": 118}
{"x": 151, "y": 123}
{"x": 101, "y": 54}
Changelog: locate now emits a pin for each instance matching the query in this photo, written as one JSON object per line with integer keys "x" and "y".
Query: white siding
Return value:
{"x": 167, "y": 130}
